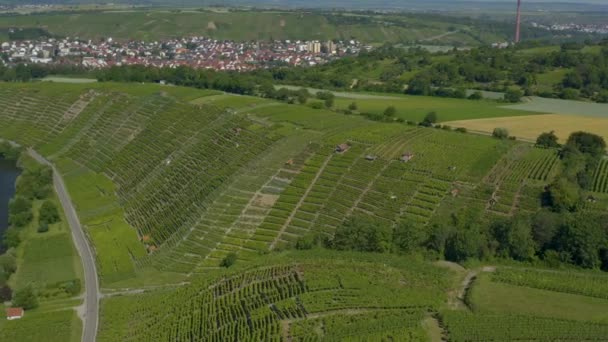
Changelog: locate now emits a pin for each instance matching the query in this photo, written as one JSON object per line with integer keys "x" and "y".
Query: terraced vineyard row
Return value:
{"x": 600, "y": 179}
{"x": 464, "y": 326}
{"x": 586, "y": 284}
{"x": 255, "y": 305}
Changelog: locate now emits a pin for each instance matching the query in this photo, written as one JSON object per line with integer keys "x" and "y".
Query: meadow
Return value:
{"x": 414, "y": 108}
{"x": 531, "y": 126}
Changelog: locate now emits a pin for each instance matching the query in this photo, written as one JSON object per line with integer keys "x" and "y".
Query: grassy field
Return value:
{"x": 493, "y": 297}
{"x": 97, "y": 207}
{"x": 242, "y": 25}
{"x": 37, "y": 325}
{"x": 558, "y": 106}
{"x": 529, "y": 127}
{"x": 414, "y": 108}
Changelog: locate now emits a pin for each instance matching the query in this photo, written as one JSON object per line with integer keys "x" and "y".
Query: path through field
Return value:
{"x": 90, "y": 314}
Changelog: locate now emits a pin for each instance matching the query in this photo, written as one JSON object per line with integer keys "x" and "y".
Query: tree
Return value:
{"x": 6, "y": 293}
{"x": 513, "y": 96}
{"x": 353, "y": 106}
{"x": 429, "y": 119}
{"x": 547, "y": 140}
{"x": 564, "y": 195}
{"x": 582, "y": 238}
{"x": 464, "y": 244}
{"x": 588, "y": 143}
{"x": 229, "y": 260}
{"x": 407, "y": 237}
{"x": 390, "y": 111}
{"x": 329, "y": 102}
{"x": 20, "y": 211}
{"x": 11, "y": 238}
{"x": 25, "y": 298}
{"x": 362, "y": 234}
{"x": 500, "y": 133}
{"x": 49, "y": 213}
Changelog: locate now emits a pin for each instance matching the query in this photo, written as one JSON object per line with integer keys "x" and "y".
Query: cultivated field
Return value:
{"x": 529, "y": 127}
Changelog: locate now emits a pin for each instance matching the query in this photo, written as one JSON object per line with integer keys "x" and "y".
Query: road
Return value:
{"x": 92, "y": 294}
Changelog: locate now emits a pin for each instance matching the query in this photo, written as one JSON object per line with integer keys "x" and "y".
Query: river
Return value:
{"x": 8, "y": 176}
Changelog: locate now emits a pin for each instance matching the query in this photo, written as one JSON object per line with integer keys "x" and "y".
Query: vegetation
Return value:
{"x": 165, "y": 189}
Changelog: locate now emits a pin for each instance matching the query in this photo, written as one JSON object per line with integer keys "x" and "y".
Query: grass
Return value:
{"x": 414, "y": 108}
{"x": 95, "y": 201}
{"x": 491, "y": 297}
{"x": 568, "y": 107}
{"x": 529, "y": 127}
{"x": 45, "y": 259}
{"x": 36, "y": 325}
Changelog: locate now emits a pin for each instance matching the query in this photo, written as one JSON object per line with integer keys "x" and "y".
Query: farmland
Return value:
{"x": 172, "y": 184}
{"x": 529, "y": 127}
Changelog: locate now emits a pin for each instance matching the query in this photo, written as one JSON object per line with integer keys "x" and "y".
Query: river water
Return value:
{"x": 8, "y": 176}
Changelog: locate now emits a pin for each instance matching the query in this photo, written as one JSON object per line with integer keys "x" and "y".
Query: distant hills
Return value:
{"x": 427, "y": 5}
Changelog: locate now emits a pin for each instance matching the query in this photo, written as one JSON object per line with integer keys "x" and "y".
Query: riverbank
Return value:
{"x": 45, "y": 261}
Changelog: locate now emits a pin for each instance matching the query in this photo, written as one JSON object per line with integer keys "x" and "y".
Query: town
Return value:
{"x": 196, "y": 52}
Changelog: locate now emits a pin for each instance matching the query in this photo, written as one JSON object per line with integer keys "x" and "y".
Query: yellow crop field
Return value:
{"x": 529, "y": 127}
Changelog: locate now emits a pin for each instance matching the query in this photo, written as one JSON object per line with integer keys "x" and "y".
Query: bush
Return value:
{"x": 20, "y": 211}
{"x": 6, "y": 293}
{"x": 547, "y": 140}
{"x": 43, "y": 227}
{"x": 500, "y": 133}
{"x": 49, "y": 213}
{"x": 72, "y": 287}
{"x": 229, "y": 260}
{"x": 513, "y": 96}
{"x": 390, "y": 111}
{"x": 316, "y": 105}
{"x": 353, "y": 106}
{"x": 476, "y": 96}
{"x": 25, "y": 298}
{"x": 461, "y": 130}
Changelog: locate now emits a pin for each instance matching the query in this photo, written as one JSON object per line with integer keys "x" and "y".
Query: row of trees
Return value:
{"x": 34, "y": 184}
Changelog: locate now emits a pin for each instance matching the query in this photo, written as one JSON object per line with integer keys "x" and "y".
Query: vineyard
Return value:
{"x": 168, "y": 190}
{"x": 586, "y": 284}
{"x": 280, "y": 302}
{"x": 600, "y": 179}
{"x": 181, "y": 174}
{"x": 465, "y": 326}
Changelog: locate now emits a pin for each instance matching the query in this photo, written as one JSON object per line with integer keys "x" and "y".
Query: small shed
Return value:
{"x": 14, "y": 313}
{"x": 342, "y": 148}
{"x": 371, "y": 157}
{"x": 289, "y": 162}
{"x": 455, "y": 192}
{"x": 406, "y": 157}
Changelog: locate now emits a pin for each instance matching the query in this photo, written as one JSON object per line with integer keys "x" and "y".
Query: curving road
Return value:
{"x": 91, "y": 294}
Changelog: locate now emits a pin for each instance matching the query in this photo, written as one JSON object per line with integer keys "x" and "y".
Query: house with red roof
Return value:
{"x": 14, "y": 313}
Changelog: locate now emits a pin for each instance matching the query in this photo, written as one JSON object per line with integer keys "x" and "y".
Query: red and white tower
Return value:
{"x": 518, "y": 23}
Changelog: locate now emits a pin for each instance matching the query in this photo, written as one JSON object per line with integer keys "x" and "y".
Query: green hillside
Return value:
{"x": 259, "y": 25}
{"x": 194, "y": 201}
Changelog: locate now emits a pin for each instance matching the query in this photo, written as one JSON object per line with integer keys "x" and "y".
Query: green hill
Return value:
{"x": 157, "y": 24}
{"x": 171, "y": 183}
